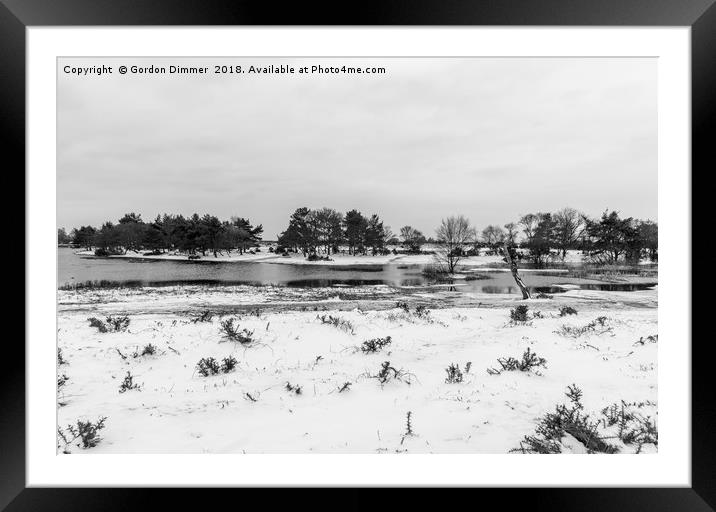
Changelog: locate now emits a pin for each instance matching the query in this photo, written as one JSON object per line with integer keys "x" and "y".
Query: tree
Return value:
{"x": 511, "y": 259}
{"x": 108, "y": 238}
{"x": 84, "y": 237}
{"x": 611, "y": 237}
{"x": 493, "y": 236}
{"x": 245, "y": 235}
{"x": 511, "y": 233}
{"x": 130, "y": 231}
{"x": 568, "y": 226}
{"x": 62, "y": 237}
{"x": 649, "y": 236}
{"x": 355, "y": 225}
{"x": 375, "y": 234}
{"x": 539, "y": 232}
{"x": 212, "y": 230}
{"x": 153, "y": 238}
{"x": 298, "y": 234}
{"x": 412, "y": 238}
{"x": 453, "y": 234}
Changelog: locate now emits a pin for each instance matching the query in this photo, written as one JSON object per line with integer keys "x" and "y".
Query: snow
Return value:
{"x": 179, "y": 411}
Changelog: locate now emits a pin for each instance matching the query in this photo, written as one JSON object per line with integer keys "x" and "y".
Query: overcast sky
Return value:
{"x": 489, "y": 138}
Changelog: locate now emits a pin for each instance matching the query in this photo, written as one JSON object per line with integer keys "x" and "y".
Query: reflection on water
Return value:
{"x": 77, "y": 269}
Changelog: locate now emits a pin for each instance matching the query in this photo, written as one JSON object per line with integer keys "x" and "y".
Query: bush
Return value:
{"x": 570, "y": 419}
{"x": 519, "y": 314}
{"x": 293, "y": 389}
{"x": 228, "y": 364}
{"x": 96, "y": 322}
{"x": 529, "y": 361}
{"x": 234, "y": 333}
{"x": 85, "y": 431}
{"x": 205, "y": 316}
{"x": 128, "y": 384}
{"x": 315, "y": 257}
{"x": 207, "y": 366}
{"x": 422, "y": 312}
{"x": 62, "y": 380}
{"x": 596, "y": 326}
{"x": 567, "y": 310}
{"x": 454, "y": 375}
{"x": 60, "y": 359}
{"x": 375, "y": 344}
{"x": 386, "y": 373}
{"x": 403, "y": 305}
{"x": 654, "y": 338}
{"x": 336, "y": 322}
{"x": 111, "y": 324}
{"x": 148, "y": 350}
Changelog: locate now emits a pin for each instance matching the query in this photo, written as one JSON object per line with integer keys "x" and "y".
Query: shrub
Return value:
{"x": 128, "y": 384}
{"x": 315, "y": 257}
{"x": 60, "y": 360}
{"x": 228, "y": 364}
{"x": 208, "y": 366}
{"x": 205, "y": 316}
{"x": 293, "y": 389}
{"x": 234, "y": 333}
{"x": 567, "y": 310}
{"x": 454, "y": 375}
{"x": 566, "y": 420}
{"x": 117, "y": 323}
{"x": 85, "y": 431}
{"x": 148, "y": 350}
{"x": 344, "y": 387}
{"x": 375, "y": 344}
{"x": 62, "y": 380}
{"x": 596, "y": 326}
{"x": 529, "y": 361}
{"x": 96, "y": 322}
{"x": 112, "y": 323}
{"x": 403, "y": 305}
{"x": 408, "y": 427}
{"x": 654, "y": 338}
{"x": 468, "y": 365}
{"x": 336, "y": 322}
{"x": 387, "y": 373}
{"x": 519, "y": 314}
{"x": 422, "y": 312}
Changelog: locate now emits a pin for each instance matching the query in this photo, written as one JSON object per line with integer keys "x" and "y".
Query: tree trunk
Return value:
{"x": 513, "y": 267}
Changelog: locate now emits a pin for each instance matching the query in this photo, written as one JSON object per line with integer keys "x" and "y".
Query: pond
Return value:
{"x": 74, "y": 269}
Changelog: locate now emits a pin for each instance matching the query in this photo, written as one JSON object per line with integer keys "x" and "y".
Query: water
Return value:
{"x": 73, "y": 268}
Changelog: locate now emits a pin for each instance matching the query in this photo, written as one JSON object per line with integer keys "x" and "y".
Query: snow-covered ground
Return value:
{"x": 250, "y": 409}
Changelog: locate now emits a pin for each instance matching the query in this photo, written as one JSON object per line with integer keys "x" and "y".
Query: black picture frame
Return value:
{"x": 700, "y": 15}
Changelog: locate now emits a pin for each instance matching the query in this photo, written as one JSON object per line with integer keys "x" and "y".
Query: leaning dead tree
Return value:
{"x": 513, "y": 267}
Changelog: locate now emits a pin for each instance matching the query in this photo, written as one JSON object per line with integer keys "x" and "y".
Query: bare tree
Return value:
{"x": 511, "y": 236}
{"x": 453, "y": 235}
{"x": 529, "y": 224}
{"x": 569, "y": 224}
{"x": 493, "y": 236}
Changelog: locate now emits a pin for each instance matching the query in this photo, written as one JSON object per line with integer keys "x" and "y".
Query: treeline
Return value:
{"x": 192, "y": 235}
{"x": 605, "y": 240}
{"x": 318, "y": 233}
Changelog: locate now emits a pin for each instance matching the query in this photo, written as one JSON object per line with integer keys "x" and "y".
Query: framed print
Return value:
{"x": 420, "y": 247}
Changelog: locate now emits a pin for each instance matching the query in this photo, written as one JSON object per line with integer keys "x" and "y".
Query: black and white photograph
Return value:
{"x": 374, "y": 255}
